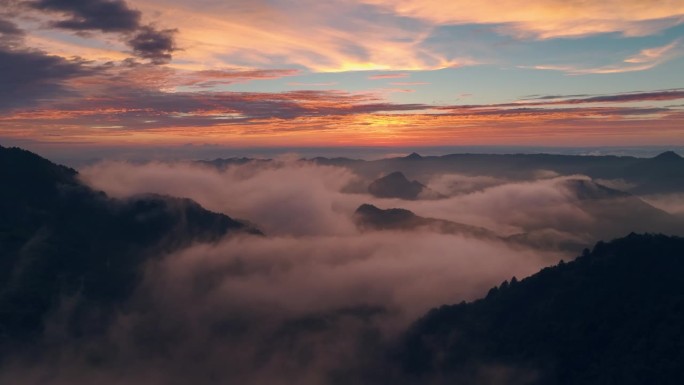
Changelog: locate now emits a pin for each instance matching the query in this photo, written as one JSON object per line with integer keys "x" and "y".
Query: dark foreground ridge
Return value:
{"x": 60, "y": 239}
{"x": 612, "y": 316}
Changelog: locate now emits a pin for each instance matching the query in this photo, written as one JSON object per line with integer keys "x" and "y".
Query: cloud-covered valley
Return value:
{"x": 320, "y": 295}
{"x": 311, "y": 301}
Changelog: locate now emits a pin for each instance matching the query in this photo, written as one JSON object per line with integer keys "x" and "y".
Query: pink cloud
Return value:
{"x": 400, "y": 75}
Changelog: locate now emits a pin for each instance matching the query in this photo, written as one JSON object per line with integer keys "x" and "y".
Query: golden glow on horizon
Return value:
{"x": 383, "y": 129}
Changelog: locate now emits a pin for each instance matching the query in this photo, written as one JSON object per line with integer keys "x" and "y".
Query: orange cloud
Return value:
{"x": 325, "y": 36}
{"x": 301, "y": 84}
{"x": 545, "y": 19}
{"x": 326, "y": 125}
{"x": 321, "y": 36}
{"x": 389, "y": 76}
{"x": 210, "y": 78}
{"x": 644, "y": 60}
{"x": 409, "y": 83}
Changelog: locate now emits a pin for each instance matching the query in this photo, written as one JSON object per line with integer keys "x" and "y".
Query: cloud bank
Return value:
{"x": 310, "y": 303}
{"x": 316, "y": 299}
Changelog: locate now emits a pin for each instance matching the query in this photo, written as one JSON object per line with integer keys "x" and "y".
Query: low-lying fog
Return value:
{"x": 308, "y": 302}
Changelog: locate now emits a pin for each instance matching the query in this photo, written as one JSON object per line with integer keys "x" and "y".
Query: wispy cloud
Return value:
{"x": 210, "y": 78}
{"x": 399, "y": 75}
{"x": 546, "y": 19}
{"x": 655, "y": 55}
{"x": 551, "y": 100}
{"x": 305, "y": 84}
{"x": 332, "y": 36}
{"x": 646, "y": 59}
{"x": 409, "y": 83}
{"x": 318, "y": 117}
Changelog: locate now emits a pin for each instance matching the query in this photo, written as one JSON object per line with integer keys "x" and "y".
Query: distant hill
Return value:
{"x": 661, "y": 174}
{"x": 368, "y": 216}
{"x": 612, "y": 316}
{"x": 594, "y": 212}
{"x": 60, "y": 239}
{"x": 395, "y": 185}
{"x": 413, "y": 156}
{"x": 616, "y": 212}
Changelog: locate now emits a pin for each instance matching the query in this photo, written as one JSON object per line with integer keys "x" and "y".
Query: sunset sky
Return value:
{"x": 305, "y": 73}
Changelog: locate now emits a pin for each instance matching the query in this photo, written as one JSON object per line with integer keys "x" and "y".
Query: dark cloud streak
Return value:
{"x": 123, "y": 95}
{"x": 7, "y": 28}
{"x": 27, "y": 76}
{"x": 30, "y": 75}
{"x": 113, "y": 16}
{"x": 87, "y": 15}
{"x": 554, "y": 100}
{"x": 154, "y": 45}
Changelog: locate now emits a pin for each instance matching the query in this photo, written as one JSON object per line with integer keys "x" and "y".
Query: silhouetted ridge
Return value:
{"x": 668, "y": 156}
{"x": 61, "y": 239}
{"x": 388, "y": 217}
{"x": 612, "y": 316}
{"x": 395, "y": 185}
{"x": 368, "y": 216}
{"x": 413, "y": 156}
{"x": 27, "y": 177}
{"x": 645, "y": 175}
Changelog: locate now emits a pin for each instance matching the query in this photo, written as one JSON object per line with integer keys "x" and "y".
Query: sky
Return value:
{"x": 91, "y": 75}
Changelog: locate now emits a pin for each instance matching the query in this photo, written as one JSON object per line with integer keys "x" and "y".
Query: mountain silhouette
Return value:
{"x": 616, "y": 212}
{"x": 612, "y": 213}
{"x": 658, "y": 175}
{"x": 396, "y": 185}
{"x": 593, "y": 212}
{"x": 368, "y": 216}
{"x": 667, "y": 156}
{"x": 413, "y": 156}
{"x": 612, "y": 316}
{"x": 60, "y": 239}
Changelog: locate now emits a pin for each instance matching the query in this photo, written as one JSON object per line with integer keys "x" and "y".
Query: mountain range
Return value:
{"x": 658, "y": 175}
{"x": 613, "y": 315}
{"x": 613, "y": 213}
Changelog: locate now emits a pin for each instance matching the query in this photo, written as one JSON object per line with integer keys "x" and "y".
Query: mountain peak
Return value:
{"x": 413, "y": 155}
{"x": 395, "y": 185}
{"x": 668, "y": 156}
{"x": 28, "y": 177}
{"x": 370, "y": 216}
{"x": 396, "y": 175}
